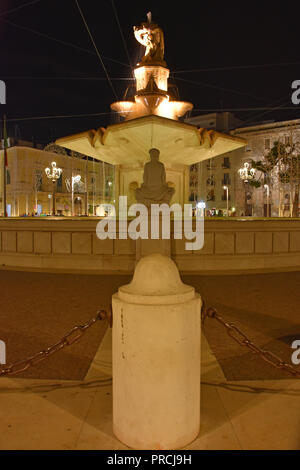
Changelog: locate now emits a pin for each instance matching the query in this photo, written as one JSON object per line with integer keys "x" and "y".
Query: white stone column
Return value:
{"x": 156, "y": 358}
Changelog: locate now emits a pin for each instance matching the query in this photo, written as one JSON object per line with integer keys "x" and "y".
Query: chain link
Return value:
{"x": 78, "y": 331}
{"x": 70, "y": 338}
{"x": 239, "y": 337}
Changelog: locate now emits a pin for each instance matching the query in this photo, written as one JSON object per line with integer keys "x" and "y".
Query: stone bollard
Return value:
{"x": 156, "y": 358}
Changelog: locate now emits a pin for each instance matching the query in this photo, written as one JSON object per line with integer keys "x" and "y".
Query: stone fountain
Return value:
{"x": 151, "y": 120}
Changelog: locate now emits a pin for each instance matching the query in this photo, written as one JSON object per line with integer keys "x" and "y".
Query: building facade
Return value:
{"x": 215, "y": 182}
{"x": 212, "y": 180}
{"x": 30, "y": 192}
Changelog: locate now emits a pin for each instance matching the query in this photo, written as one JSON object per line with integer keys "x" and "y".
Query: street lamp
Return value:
{"x": 246, "y": 173}
{"x": 267, "y": 187}
{"x": 53, "y": 175}
{"x": 49, "y": 197}
{"x": 70, "y": 187}
{"x": 227, "y": 198}
{"x": 201, "y": 206}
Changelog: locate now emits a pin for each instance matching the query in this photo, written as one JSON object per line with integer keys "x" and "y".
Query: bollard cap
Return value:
{"x": 156, "y": 280}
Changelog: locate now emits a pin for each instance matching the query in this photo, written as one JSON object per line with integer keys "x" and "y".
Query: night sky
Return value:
{"x": 234, "y": 53}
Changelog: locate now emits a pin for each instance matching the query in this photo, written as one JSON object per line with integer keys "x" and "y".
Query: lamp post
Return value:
{"x": 246, "y": 174}
{"x": 201, "y": 206}
{"x": 227, "y": 198}
{"x": 267, "y": 187}
{"x": 70, "y": 187}
{"x": 49, "y": 197}
{"x": 53, "y": 175}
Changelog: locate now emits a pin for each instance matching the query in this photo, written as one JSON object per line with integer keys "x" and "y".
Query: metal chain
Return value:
{"x": 70, "y": 338}
{"x": 237, "y": 335}
{"x": 78, "y": 331}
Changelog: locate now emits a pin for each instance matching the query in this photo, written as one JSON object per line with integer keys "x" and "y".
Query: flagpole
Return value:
{"x": 4, "y": 166}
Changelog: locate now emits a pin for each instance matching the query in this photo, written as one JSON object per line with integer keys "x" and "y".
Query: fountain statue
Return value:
{"x": 154, "y": 189}
{"x": 151, "y": 36}
{"x": 153, "y": 95}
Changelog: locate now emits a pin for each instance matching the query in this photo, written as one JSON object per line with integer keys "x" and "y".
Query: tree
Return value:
{"x": 281, "y": 166}
{"x": 289, "y": 173}
{"x": 267, "y": 166}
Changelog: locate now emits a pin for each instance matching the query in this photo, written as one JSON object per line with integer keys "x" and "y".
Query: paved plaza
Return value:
{"x": 66, "y": 402}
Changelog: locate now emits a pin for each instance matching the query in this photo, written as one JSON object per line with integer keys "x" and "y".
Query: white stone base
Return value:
{"x": 156, "y": 373}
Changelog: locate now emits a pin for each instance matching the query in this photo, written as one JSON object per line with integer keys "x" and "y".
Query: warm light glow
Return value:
{"x": 143, "y": 75}
{"x": 55, "y": 174}
{"x": 201, "y": 205}
{"x": 173, "y": 109}
{"x": 246, "y": 174}
{"x": 123, "y": 107}
{"x": 151, "y": 83}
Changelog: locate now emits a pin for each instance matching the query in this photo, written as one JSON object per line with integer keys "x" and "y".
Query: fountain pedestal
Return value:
{"x": 156, "y": 358}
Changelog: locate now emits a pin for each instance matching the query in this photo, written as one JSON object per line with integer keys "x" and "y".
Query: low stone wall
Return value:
{"x": 242, "y": 245}
{"x": 231, "y": 245}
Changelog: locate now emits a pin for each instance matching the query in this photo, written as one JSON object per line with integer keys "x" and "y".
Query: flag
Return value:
{"x": 5, "y": 139}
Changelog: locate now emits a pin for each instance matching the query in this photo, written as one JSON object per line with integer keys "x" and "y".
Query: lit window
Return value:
{"x": 226, "y": 179}
{"x": 226, "y": 163}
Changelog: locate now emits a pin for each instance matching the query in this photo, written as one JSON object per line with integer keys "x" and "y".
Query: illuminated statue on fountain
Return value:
{"x": 151, "y": 36}
{"x": 154, "y": 189}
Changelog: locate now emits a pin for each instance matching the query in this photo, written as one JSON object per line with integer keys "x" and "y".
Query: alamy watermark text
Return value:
{"x": 2, "y": 352}
{"x": 159, "y": 217}
{"x": 2, "y": 92}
